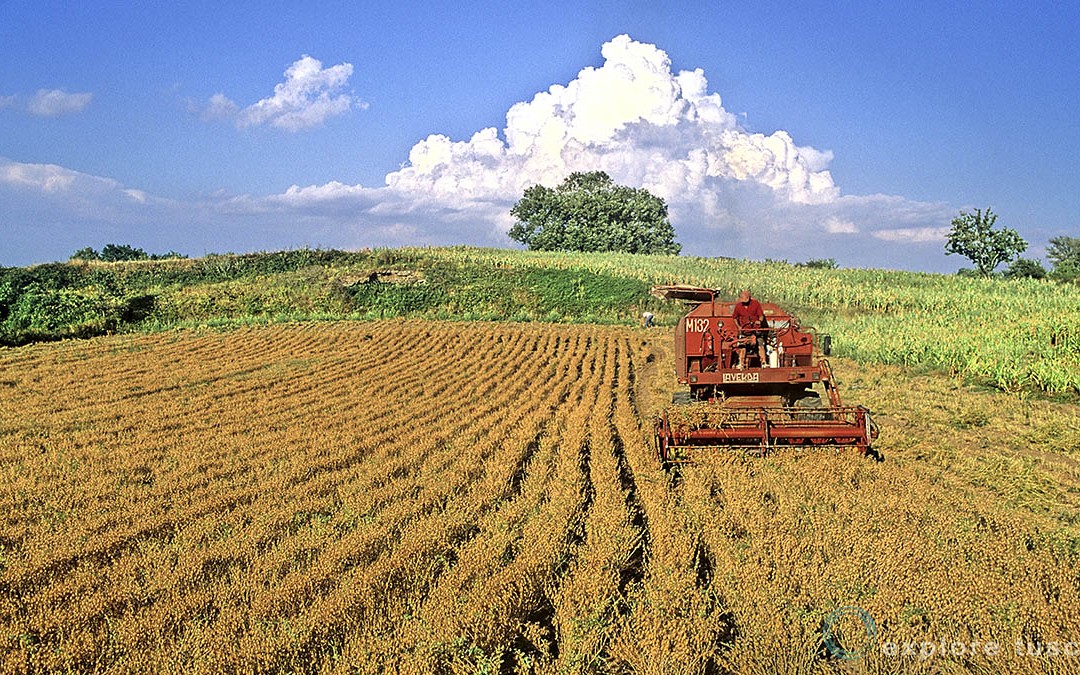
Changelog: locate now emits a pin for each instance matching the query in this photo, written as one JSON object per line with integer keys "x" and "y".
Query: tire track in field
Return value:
{"x": 670, "y": 619}
{"x": 703, "y": 560}
{"x": 634, "y": 571}
{"x": 390, "y": 570}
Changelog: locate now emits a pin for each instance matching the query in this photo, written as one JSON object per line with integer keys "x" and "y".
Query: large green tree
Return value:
{"x": 1064, "y": 253}
{"x": 974, "y": 237}
{"x": 589, "y": 212}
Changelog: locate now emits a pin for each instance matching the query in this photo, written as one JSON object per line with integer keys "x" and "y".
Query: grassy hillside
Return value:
{"x": 1014, "y": 335}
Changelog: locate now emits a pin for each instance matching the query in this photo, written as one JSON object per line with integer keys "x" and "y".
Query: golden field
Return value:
{"x": 406, "y": 496}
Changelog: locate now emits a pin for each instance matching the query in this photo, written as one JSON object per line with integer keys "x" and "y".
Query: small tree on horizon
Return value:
{"x": 1023, "y": 268}
{"x": 86, "y": 254}
{"x": 122, "y": 252}
{"x": 589, "y": 212}
{"x": 820, "y": 264}
{"x": 974, "y": 237}
{"x": 1064, "y": 254}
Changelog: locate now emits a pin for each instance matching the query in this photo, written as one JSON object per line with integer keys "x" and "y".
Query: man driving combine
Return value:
{"x": 749, "y": 316}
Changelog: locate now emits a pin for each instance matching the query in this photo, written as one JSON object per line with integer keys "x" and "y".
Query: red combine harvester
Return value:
{"x": 745, "y": 398}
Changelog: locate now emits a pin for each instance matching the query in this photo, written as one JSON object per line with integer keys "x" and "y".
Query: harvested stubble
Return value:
{"x": 437, "y": 497}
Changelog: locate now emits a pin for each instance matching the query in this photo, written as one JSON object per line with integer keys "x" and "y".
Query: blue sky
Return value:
{"x": 774, "y": 130}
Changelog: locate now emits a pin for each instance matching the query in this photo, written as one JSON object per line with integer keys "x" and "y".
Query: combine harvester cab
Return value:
{"x": 756, "y": 406}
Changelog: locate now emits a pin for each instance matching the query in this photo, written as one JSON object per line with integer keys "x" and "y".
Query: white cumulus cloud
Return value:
{"x": 78, "y": 191}
{"x": 836, "y": 225}
{"x": 219, "y": 107}
{"x": 914, "y": 235}
{"x": 56, "y": 102}
{"x": 308, "y": 97}
{"x": 632, "y": 117}
{"x": 44, "y": 178}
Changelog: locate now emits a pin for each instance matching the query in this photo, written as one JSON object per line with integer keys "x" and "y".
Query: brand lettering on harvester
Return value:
{"x": 740, "y": 377}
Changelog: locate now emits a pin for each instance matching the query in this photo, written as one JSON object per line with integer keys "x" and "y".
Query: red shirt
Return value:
{"x": 748, "y": 315}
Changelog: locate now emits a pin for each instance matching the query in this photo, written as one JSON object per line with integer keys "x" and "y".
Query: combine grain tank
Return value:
{"x": 757, "y": 401}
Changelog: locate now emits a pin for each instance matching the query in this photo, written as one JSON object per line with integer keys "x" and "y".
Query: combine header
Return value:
{"x": 754, "y": 386}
